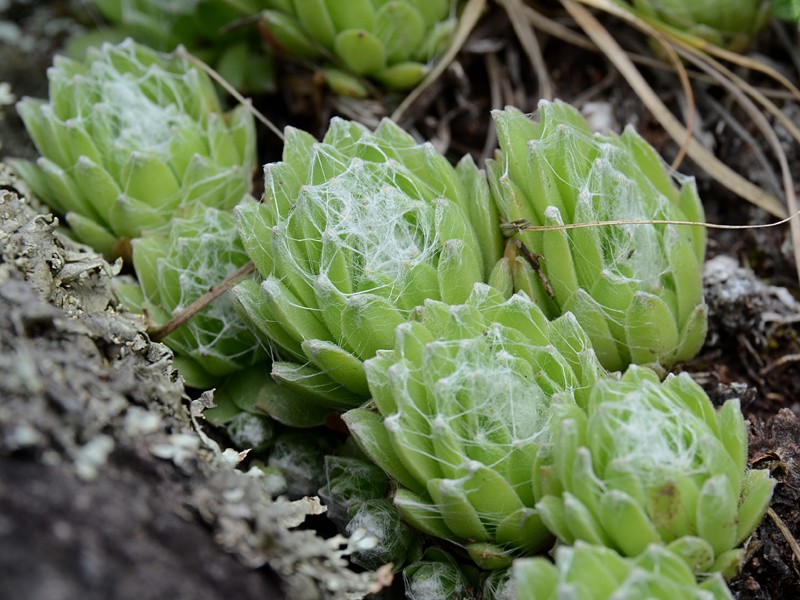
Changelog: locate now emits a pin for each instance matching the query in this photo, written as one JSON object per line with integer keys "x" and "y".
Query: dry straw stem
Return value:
{"x": 790, "y": 539}
{"x": 526, "y": 36}
{"x": 719, "y": 171}
{"x": 761, "y": 122}
{"x": 466, "y": 23}
{"x": 183, "y": 53}
{"x": 706, "y": 51}
{"x": 514, "y": 226}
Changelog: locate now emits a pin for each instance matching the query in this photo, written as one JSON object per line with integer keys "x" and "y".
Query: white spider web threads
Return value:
{"x": 487, "y": 391}
{"x": 145, "y": 100}
{"x": 433, "y": 580}
{"x": 481, "y": 406}
{"x": 648, "y": 432}
{"x": 204, "y": 250}
{"x": 370, "y": 216}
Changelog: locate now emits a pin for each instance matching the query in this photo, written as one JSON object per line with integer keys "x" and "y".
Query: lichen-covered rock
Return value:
{"x": 84, "y": 391}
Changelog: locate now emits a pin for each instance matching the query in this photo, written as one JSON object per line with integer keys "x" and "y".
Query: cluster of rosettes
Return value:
{"x": 636, "y": 288}
{"x": 127, "y": 138}
{"x": 392, "y": 42}
{"x": 354, "y": 233}
{"x": 383, "y": 290}
{"x": 499, "y": 426}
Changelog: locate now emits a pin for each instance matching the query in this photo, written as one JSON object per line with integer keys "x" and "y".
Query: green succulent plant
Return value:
{"x": 390, "y": 41}
{"x": 392, "y": 540}
{"x": 438, "y": 575}
{"x": 652, "y": 462}
{"x": 635, "y": 288}
{"x": 731, "y": 24}
{"x": 204, "y": 27}
{"x": 353, "y": 234}
{"x": 128, "y": 137}
{"x": 247, "y": 427}
{"x": 598, "y": 573}
{"x": 351, "y": 481}
{"x": 175, "y": 266}
{"x": 462, "y": 406}
{"x": 787, "y": 10}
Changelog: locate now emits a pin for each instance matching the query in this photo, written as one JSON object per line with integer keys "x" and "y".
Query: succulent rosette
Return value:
{"x": 351, "y": 481}
{"x": 205, "y": 27}
{"x": 175, "y": 266}
{"x": 438, "y": 575}
{"x": 786, "y": 10}
{"x": 598, "y": 573}
{"x": 385, "y": 537}
{"x": 165, "y": 24}
{"x": 127, "y": 137}
{"x": 355, "y": 232}
{"x": 732, "y": 23}
{"x": 635, "y": 288}
{"x": 652, "y": 462}
{"x": 390, "y": 41}
{"x": 462, "y": 405}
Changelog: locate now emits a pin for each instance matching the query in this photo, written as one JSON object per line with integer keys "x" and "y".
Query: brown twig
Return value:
{"x": 782, "y": 361}
{"x": 786, "y": 533}
{"x": 533, "y": 259}
{"x": 195, "y": 307}
{"x": 512, "y": 227}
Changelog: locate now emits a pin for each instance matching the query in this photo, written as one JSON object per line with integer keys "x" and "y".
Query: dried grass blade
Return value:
{"x": 526, "y": 36}
{"x": 701, "y": 48}
{"x": 760, "y": 121}
{"x": 705, "y": 159}
{"x": 630, "y": 14}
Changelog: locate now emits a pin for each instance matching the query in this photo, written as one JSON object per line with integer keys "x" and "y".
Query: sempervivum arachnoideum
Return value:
{"x": 732, "y": 25}
{"x": 651, "y": 462}
{"x": 127, "y": 137}
{"x": 355, "y": 232}
{"x": 635, "y": 288}
{"x": 175, "y": 266}
{"x": 598, "y": 573}
{"x": 392, "y": 42}
{"x": 207, "y": 28}
{"x": 460, "y": 408}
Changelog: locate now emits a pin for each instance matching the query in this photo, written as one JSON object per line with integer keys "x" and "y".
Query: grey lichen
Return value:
{"x": 80, "y": 382}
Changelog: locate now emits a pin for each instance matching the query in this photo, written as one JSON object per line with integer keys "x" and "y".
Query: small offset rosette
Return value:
{"x": 212, "y": 30}
{"x": 598, "y": 573}
{"x": 175, "y": 266}
{"x": 732, "y": 25}
{"x": 460, "y": 408}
